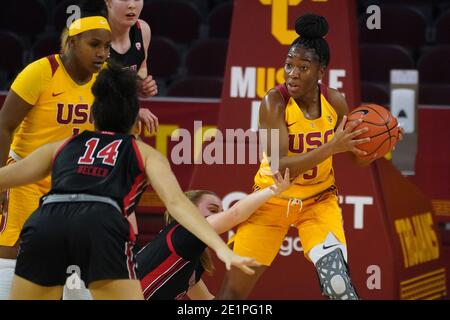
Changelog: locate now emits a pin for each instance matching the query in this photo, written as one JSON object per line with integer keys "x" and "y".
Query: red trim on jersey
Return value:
{"x": 61, "y": 147}
{"x": 323, "y": 90}
{"x": 138, "y": 25}
{"x": 138, "y": 154}
{"x": 169, "y": 239}
{"x": 53, "y": 63}
{"x": 138, "y": 182}
{"x": 156, "y": 278}
{"x": 127, "y": 200}
{"x": 284, "y": 92}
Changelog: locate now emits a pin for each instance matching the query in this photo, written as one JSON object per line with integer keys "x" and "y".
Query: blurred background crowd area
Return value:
{"x": 189, "y": 42}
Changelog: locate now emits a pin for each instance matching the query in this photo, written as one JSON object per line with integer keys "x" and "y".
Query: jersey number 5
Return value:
{"x": 108, "y": 154}
{"x": 311, "y": 175}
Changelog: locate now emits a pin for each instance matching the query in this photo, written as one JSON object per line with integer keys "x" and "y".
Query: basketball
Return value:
{"x": 383, "y": 129}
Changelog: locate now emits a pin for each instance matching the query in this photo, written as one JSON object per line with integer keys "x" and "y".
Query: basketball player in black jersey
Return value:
{"x": 172, "y": 264}
{"x": 97, "y": 180}
{"x": 129, "y": 47}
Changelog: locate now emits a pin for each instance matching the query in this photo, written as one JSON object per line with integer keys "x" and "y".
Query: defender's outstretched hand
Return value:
{"x": 281, "y": 184}
{"x": 230, "y": 258}
{"x": 149, "y": 120}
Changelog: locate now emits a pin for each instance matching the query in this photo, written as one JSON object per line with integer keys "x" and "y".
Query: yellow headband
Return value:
{"x": 88, "y": 23}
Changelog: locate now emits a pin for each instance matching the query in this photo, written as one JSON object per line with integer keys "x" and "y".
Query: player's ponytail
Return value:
{"x": 116, "y": 104}
{"x": 312, "y": 29}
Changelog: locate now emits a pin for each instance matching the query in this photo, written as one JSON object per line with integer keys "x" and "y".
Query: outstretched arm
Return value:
{"x": 33, "y": 168}
{"x": 184, "y": 211}
{"x": 241, "y": 211}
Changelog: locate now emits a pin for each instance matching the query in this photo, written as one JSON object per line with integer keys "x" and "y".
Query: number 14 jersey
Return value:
{"x": 100, "y": 163}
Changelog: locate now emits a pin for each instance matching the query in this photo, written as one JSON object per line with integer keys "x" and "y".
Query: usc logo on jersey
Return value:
{"x": 305, "y": 142}
{"x": 73, "y": 113}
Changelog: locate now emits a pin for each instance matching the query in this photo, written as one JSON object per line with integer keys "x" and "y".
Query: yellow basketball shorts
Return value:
{"x": 261, "y": 236}
{"x": 22, "y": 202}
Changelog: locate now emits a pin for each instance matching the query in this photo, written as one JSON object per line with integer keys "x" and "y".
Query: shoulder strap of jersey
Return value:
{"x": 135, "y": 35}
{"x": 138, "y": 33}
{"x": 53, "y": 63}
{"x": 284, "y": 92}
{"x": 323, "y": 90}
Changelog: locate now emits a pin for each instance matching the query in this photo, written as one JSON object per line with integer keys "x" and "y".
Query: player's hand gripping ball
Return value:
{"x": 383, "y": 129}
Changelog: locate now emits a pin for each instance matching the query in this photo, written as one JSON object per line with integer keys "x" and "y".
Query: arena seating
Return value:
{"x": 219, "y": 21}
{"x": 205, "y": 87}
{"x": 207, "y": 58}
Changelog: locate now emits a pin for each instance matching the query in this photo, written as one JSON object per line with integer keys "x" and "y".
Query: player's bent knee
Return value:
{"x": 334, "y": 278}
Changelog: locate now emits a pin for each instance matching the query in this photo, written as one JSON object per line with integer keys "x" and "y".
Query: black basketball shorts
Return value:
{"x": 91, "y": 237}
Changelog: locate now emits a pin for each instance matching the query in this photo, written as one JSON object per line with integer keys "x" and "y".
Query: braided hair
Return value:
{"x": 312, "y": 29}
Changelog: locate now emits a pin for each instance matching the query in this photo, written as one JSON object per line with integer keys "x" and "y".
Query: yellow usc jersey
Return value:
{"x": 60, "y": 107}
{"x": 305, "y": 135}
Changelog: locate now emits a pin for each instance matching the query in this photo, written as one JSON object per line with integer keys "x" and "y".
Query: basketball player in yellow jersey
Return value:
{"x": 310, "y": 120}
{"x": 48, "y": 101}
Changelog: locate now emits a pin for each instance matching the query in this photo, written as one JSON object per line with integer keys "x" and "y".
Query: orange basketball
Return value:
{"x": 383, "y": 129}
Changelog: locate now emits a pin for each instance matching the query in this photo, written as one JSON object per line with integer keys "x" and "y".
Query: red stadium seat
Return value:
{"x": 219, "y": 21}
{"x": 12, "y": 61}
{"x": 25, "y": 17}
{"x": 161, "y": 16}
{"x": 401, "y": 25}
{"x": 45, "y": 45}
{"x": 434, "y": 65}
{"x": 163, "y": 58}
{"x": 443, "y": 28}
{"x": 12, "y": 49}
{"x": 376, "y": 61}
{"x": 207, "y": 58}
{"x": 60, "y": 15}
{"x": 205, "y": 87}
{"x": 434, "y": 94}
{"x": 374, "y": 93}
